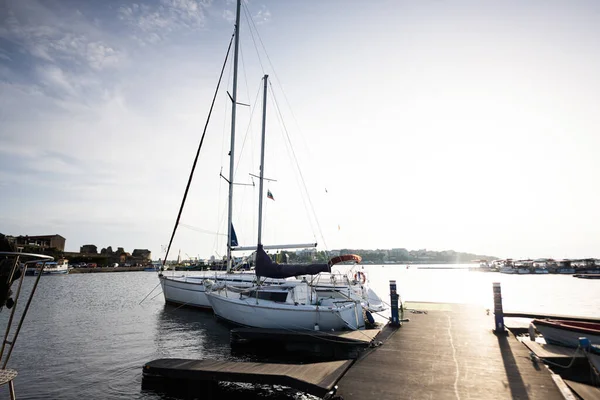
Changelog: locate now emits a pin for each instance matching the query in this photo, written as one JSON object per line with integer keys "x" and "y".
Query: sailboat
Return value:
{"x": 296, "y": 305}
{"x": 191, "y": 290}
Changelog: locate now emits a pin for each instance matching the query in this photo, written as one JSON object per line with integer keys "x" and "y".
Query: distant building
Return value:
{"x": 88, "y": 249}
{"x": 43, "y": 242}
{"x": 142, "y": 253}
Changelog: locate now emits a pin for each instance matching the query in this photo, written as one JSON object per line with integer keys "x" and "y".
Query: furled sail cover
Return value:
{"x": 268, "y": 268}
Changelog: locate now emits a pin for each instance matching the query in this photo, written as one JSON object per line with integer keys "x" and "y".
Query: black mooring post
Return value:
{"x": 498, "y": 312}
{"x": 395, "y": 320}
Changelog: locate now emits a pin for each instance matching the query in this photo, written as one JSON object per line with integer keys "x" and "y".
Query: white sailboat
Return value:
{"x": 191, "y": 290}
{"x": 294, "y": 305}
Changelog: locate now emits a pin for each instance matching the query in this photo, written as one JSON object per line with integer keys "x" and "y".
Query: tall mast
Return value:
{"x": 232, "y": 147}
{"x": 262, "y": 160}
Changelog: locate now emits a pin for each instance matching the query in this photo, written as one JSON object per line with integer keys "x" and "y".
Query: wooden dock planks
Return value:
{"x": 585, "y": 392}
{"x": 363, "y": 337}
{"x": 315, "y": 378}
{"x": 449, "y": 353}
{"x": 551, "y": 352}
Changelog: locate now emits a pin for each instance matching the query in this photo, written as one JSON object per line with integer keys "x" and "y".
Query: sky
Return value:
{"x": 464, "y": 125}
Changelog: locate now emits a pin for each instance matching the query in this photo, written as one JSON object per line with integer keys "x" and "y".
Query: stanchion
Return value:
{"x": 395, "y": 320}
{"x": 498, "y": 312}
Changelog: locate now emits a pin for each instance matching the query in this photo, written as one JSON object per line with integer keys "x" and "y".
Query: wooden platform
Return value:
{"x": 449, "y": 353}
{"x": 346, "y": 337}
{"x": 316, "y": 378}
{"x": 551, "y": 352}
{"x": 586, "y": 392}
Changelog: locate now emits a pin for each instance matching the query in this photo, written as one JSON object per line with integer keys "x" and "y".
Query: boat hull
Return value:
{"x": 567, "y": 333}
{"x": 191, "y": 292}
{"x": 46, "y": 272}
{"x": 257, "y": 313}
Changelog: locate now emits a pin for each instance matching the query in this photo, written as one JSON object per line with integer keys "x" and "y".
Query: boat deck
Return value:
{"x": 448, "y": 352}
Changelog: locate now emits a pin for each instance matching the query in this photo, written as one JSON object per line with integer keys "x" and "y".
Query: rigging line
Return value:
{"x": 299, "y": 171}
{"x": 187, "y": 188}
{"x": 248, "y": 128}
{"x": 249, "y": 19}
{"x": 201, "y": 230}
{"x": 248, "y": 131}
{"x": 296, "y": 175}
{"x": 274, "y": 72}
{"x": 223, "y": 136}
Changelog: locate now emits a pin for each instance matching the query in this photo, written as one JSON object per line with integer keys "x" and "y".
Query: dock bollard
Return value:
{"x": 498, "y": 312}
{"x": 395, "y": 320}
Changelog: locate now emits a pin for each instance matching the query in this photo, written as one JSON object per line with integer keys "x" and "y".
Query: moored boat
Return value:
{"x": 293, "y": 305}
{"x": 59, "y": 267}
{"x": 566, "y": 332}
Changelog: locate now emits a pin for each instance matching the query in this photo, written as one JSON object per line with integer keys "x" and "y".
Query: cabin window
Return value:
{"x": 272, "y": 296}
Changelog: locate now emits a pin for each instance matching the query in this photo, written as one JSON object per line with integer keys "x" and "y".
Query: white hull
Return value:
{"x": 260, "y": 313}
{"x": 564, "y": 337}
{"x": 52, "y": 271}
{"x": 190, "y": 290}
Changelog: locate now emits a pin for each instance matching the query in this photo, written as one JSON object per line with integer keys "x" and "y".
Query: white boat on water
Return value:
{"x": 59, "y": 267}
{"x": 190, "y": 290}
{"x": 292, "y": 305}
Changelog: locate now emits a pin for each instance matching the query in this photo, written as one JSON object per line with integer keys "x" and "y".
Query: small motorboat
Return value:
{"x": 567, "y": 333}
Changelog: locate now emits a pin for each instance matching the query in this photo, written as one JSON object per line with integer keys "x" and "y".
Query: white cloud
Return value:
{"x": 57, "y": 38}
{"x": 262, "y": 16}
{"x": 154, "y": 23}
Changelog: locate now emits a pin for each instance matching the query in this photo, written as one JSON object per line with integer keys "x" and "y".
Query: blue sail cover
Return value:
{"x": 266, "y": 267}
{"x": 234, "y": 241}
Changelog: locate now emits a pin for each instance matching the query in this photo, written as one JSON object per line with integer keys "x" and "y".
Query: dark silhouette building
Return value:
{"x": 43, "y": 241}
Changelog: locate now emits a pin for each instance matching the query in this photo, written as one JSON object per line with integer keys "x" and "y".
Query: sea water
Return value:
{"x": 88, "y": 335}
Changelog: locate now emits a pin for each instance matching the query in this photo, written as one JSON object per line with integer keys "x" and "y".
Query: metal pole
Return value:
{"x": 498, "y": 312}
{"x": 14, "y": 308}
{"x": 12, "y": 345}
{"x": 395, "y": 320}
{"x": 262, "y": 160}
{"x": 232, "y": 146}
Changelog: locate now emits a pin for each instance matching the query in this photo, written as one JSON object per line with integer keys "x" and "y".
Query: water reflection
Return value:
{"x": 189, "y": 333}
